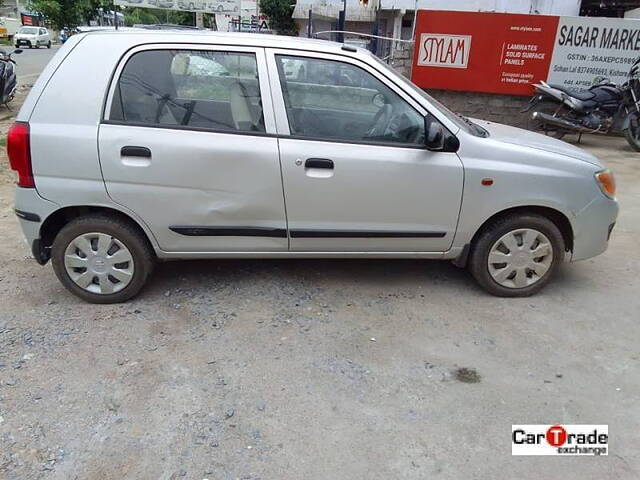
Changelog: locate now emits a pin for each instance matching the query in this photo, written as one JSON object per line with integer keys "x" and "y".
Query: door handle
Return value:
{"x": 319, "y": 163}
{"x": 132, "y": 151}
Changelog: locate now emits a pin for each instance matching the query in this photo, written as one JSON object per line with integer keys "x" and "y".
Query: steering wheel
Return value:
{"x": 381, "y": 121}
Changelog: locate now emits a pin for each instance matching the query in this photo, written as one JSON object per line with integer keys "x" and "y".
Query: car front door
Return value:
{"x": 357, "y": 177}
{"x": 188, "y": 145}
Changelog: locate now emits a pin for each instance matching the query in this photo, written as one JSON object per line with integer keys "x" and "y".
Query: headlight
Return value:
{"x": 607, "y": 182}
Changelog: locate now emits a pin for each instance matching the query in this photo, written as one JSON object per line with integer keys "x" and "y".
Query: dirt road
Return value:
{"x": 319, "y": 369}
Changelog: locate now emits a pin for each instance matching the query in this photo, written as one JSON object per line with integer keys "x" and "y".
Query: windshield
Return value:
{"x": 460, "y": 121}
{"x": 28, "y": 30}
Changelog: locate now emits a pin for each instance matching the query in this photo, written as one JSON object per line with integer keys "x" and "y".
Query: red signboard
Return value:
{"x": 482, "y": 52}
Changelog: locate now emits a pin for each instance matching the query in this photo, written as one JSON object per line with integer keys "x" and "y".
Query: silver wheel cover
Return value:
{"x": 99, "y": 263}
{"x": 520, "y": 258}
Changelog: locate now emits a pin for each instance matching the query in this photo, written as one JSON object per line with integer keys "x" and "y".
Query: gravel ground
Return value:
{"x": 319, "y": 369}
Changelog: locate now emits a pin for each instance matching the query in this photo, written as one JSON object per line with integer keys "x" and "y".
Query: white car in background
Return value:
{"x": 32, "y": 37}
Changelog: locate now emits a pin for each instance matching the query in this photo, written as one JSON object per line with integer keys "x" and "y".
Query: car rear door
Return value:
{"x": 357, "y": 177}
{"x": 188, "y": 144}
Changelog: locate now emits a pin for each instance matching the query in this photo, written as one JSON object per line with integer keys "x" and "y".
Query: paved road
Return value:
{"x": 31, "y": 62}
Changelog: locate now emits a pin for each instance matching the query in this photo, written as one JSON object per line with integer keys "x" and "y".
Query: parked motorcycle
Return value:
{"x": 604, "y": 108}
{"x": 8, "y": 80}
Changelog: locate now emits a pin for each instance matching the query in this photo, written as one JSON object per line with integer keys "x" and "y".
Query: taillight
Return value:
{"x": 19, "y": 152}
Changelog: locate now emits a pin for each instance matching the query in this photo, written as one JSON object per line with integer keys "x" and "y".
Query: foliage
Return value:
{"x": 90, "y": 8}
{"x": 60, "y": 13}
{"x": 150, "y": 16}
{"x": 279, "y": 14}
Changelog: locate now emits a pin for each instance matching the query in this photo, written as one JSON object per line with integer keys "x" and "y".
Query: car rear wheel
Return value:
{"x": 517, "y": 255}
{"x": 101, "y": 259}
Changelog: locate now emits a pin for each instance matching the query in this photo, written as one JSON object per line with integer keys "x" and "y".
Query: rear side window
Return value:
{"x": 190, "y": 88}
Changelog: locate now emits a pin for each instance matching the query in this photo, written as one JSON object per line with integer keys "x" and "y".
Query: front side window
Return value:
{"x": 191, "y": 88}
{"x": 327, "y": 99}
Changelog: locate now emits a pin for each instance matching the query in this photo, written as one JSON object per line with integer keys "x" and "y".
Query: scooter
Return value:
{"x": 8, "y": 80}
{"x": 603, "y": 108}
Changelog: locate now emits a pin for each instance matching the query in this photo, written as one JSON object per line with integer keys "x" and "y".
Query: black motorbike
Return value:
{"x": 604, "y": 108}
{"x": 8, "y": 80}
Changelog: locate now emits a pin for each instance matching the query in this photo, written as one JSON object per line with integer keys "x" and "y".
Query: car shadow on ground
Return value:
{"x": 363, "y": 272}
{"x": 334, "y": 274}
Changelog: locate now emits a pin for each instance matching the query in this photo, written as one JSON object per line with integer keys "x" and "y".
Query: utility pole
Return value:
{"x": 115, "y": 14}
{"x": 342, "y": 22}
{"x": 199, "y": 19}
{"x": 17, "y": 8}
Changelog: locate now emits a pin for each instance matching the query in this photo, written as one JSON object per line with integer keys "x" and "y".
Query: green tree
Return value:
{"x": 90, "y": 8}
{"x": 149, "y": 16}
{"x": 279, "y": 14}
{"x": 60, "y": 13}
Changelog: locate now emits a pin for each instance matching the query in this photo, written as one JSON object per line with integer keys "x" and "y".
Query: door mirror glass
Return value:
{"x": 17, "y": 50}
{"x": 437, "y": 138}
{"x": 434, "y": 139}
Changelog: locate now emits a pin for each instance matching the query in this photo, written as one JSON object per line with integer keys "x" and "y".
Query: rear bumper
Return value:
{"x": 31, "y": 210}
{"x": 592, "y": 228}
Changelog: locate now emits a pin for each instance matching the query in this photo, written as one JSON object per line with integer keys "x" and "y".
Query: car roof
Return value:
{"x": 144, "y": 35}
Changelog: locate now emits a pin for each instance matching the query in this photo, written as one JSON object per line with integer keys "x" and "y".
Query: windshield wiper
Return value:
{"x": 477, "y": 129}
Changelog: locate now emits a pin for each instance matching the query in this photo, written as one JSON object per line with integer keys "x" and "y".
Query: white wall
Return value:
{"x": 548, "y": 7}
{"x": 635, "y": 13}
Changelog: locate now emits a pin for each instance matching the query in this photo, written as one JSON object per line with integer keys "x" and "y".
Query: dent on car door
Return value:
{"x": 186, "y": 146}
{"x": 357, "y": 176}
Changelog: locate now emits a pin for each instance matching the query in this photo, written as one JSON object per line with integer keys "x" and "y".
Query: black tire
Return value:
{"x": 632, "y": 132}
{"x": 49, "y": 44}
{"x": 491, "y": 233}
{"x": 633, "y": 139}
{"x": 123, "y": 231}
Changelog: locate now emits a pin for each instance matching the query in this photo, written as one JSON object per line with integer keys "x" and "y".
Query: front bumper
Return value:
{"x": 24, "y": 41}
{"x": 592, "y": 228}
{"x": 32, "y": 210}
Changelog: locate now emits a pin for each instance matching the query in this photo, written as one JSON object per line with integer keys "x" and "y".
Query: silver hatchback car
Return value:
{"x": 175, "y": 145}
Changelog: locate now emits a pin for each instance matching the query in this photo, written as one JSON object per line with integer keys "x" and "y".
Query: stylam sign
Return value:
{"x": 438, "y": 50}
{"x": 482, "y": 52}
{"x": 512, "y": 51}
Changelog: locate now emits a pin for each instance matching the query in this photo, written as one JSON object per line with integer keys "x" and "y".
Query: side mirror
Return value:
{"x": 17, "y": 51}
{"x": 434, "y": 135}
{"x": 437, "y": 138}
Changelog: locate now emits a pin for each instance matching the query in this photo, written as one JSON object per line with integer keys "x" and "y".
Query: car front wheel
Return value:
{"x": 517, "y": 255}
{"x": 101, "y": 259}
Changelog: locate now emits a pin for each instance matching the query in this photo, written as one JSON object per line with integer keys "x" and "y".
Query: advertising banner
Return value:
{"x": 588, "y": 50}
{"x": 506, "y": 53}
{"x": 205, "y": 6}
